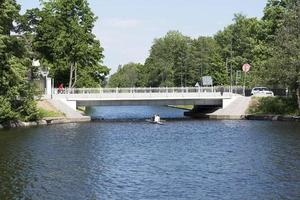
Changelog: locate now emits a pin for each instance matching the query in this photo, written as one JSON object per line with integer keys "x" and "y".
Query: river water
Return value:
{"x": 124, "y": 157}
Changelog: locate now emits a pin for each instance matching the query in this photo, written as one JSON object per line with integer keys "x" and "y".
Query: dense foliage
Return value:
{"x": 64, "y": 42}
{"x": 178, "y": 60}
{"x": 60, "y": 36}
{"x": 16, "y": 92}
{"x": 127, "y": 76}
{"x": 273, "y": 105}
{"x": 284, "y": 63}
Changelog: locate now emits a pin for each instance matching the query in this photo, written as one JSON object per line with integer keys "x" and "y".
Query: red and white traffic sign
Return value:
{"x": 246, "y": 68}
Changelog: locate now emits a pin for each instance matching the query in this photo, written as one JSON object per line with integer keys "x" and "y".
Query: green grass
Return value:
{"x": 273, "y": 106}
{"x": 45, "y": 113}
{"x": 81, "y": 109}
{"x": 189, "y": 107}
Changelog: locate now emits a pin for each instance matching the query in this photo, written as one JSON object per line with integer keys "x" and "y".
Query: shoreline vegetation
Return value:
{"x": 285, "y": 106}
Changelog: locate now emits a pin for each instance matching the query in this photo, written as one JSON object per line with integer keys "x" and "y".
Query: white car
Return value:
{"x": 262, "y": 91}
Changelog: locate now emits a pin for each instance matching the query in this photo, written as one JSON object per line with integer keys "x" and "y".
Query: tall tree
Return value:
{"x": 178, "y": 60}
{"x": 16, "y": 93}
{"x": 64, "y": 39}
{"x": 167, "y": 63}
{"x": 240, "y": 43}
{"x": 205, "y": 60}
{"x": 284, "y": 65}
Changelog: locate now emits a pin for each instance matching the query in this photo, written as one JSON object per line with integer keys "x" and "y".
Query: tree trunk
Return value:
{"x": 298, "y": 97}
{"x": 75, "y": 75}
{"x": 71, "y": 76}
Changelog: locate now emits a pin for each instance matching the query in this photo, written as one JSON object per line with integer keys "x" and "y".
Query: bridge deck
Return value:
{"x": 144, "y": 96}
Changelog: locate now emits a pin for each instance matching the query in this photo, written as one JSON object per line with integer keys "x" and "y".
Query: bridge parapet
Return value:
{"x": 151, "y": 93}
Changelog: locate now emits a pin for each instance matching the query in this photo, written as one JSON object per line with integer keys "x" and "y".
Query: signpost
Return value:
{"x": 246, "y": 69}
{"x": 238, "y": 76}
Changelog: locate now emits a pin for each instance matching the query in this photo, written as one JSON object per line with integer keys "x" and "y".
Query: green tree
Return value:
{"x": 16, "y": 92}
{"x": 126, "y": 76}
{"x": 241, "y": 43}
{"x": 284, "y": 65}
{"x": 63, "y": 37}
{"x": 178, "y": 60}
{"x": 167, "y": 63}
{"x": 205, "y": 60}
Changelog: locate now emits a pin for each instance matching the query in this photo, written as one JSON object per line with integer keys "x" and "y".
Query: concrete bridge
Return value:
{"x": 201, "y": 96}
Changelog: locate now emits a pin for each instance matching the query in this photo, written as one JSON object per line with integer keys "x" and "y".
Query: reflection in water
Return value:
{"x": 138, "y": 160}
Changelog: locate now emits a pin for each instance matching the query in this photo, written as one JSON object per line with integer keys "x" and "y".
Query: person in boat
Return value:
{"x": 153, "y": 118}
{"x": 156, "y": 118}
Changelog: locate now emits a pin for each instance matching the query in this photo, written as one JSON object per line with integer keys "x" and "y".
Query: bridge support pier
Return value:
{"x": 201, "y": 111}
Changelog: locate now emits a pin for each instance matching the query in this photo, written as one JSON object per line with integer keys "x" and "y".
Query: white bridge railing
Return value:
{"x": 174, "y": 92}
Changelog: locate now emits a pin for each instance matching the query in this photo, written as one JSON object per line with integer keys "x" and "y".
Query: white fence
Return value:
{"x": 174, "y": 92}
{"x": 226, "y": 89}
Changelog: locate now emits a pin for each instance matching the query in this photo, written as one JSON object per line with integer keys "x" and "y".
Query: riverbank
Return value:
{"x": 286, "y": 118}
{"x": 273, "y": 118}
{"x": 247, "y": 108}
{"x": 49, "y": 115}
{"x": 44, "y": 122}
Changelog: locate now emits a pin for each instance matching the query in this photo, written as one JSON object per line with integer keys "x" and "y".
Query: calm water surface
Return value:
{"x": 132, "y": 159}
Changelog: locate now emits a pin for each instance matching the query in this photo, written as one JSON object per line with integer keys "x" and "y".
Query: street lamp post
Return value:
{"x": 44, "y": 72}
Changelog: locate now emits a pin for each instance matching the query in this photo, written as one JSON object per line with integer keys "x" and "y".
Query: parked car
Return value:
{"x": 261, "y": 91}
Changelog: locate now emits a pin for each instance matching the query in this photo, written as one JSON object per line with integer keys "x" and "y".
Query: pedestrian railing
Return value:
{"x": 180, "y": 92}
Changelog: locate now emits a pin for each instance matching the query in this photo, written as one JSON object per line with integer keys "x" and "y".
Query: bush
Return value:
{"x": 6, "y": 111}
{"x": 29, "y": 111}
{"x": 274, "y": 105}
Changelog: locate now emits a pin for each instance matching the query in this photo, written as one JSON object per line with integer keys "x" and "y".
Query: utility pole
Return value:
{"x": 181, "y": 77}
{"x": 231, "y": 55}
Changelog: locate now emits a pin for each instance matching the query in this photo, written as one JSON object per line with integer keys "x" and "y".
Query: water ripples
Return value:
{"x": 136, "y": 160}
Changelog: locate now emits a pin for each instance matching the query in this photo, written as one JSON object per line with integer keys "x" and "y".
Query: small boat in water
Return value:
{"x": 155, "y": 122}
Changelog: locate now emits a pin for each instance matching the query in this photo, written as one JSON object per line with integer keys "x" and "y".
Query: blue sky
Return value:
{"x": 127, "y": 28}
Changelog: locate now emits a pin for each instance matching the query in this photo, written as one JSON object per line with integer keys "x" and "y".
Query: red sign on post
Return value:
{"x": 246, "y": 68}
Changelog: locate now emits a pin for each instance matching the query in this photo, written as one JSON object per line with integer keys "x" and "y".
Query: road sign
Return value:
{"x": 246, "y": 68}
{"x": 207, "y": 81}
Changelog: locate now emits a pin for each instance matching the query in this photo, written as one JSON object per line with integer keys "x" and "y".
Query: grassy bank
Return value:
{"x": 46, "y": 110}
{"x": 273, "y": 106}
{"x": 182, "y": 107}
{"x": 43, "y": 113}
